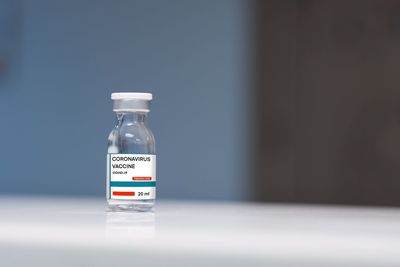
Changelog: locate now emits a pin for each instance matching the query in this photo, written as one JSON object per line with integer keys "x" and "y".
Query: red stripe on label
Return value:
{"x": 142, "y": 178}
{"x": 119, "y": 193}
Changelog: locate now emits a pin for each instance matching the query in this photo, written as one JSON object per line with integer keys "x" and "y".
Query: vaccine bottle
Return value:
{"x": 131, "y": 159}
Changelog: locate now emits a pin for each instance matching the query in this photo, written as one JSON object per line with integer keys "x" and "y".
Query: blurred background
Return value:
{"x": 283, "y": 101}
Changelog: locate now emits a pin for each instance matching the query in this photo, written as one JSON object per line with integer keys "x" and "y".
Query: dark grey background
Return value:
{"x": 328, "y": 88}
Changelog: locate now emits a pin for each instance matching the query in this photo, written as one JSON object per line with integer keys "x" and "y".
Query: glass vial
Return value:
{"x": 131, "y": 159}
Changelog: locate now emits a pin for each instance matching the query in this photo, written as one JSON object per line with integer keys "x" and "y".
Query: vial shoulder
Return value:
{"x": 131, "y": 139}
{"x": 112, "y": 143}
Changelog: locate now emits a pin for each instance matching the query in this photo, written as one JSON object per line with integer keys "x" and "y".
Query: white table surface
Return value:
{"x": 78, "y": 232}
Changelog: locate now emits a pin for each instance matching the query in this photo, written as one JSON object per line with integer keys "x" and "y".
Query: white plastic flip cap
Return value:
{"x": 131, "y": 102}
{"x": 132, "y": 95}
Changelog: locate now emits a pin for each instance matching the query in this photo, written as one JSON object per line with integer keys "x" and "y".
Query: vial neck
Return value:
{"x": 131, "y": 117}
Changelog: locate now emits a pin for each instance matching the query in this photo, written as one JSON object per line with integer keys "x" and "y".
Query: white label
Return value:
{"x": 131, "y": 176}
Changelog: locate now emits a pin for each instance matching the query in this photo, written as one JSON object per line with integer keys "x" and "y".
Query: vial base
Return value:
{"x": 131, "y": 205}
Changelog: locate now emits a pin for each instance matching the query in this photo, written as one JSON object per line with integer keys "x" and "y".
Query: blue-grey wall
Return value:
{"x": 192, "y": 55}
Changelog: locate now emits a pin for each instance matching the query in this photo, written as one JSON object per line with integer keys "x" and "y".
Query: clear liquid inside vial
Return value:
{"x": 131, "y": 135}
